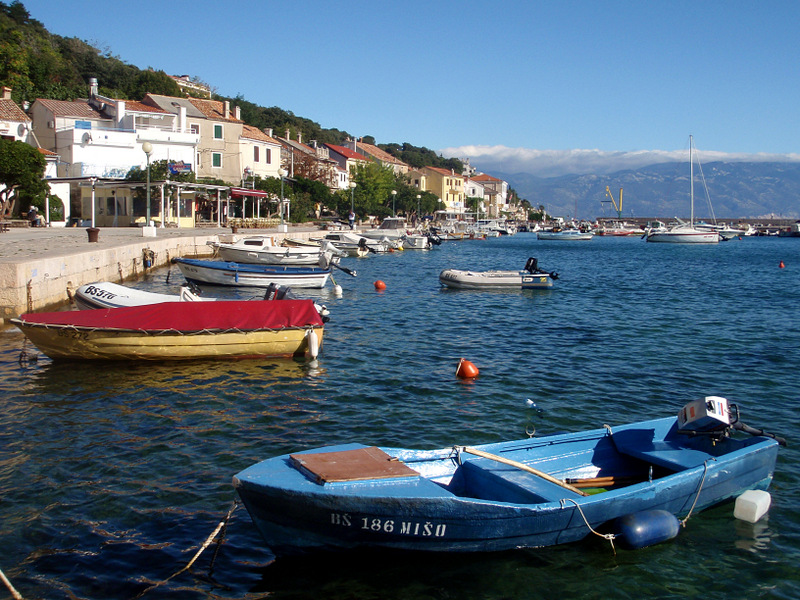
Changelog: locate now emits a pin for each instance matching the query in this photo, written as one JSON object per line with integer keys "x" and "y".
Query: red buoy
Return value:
{"x": 466, "y": 370}
{"x": 379, "y": 285}
{"x": 781, "y": 265}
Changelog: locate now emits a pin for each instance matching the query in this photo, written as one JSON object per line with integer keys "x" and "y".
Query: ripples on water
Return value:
{"x": 112, "y": 475}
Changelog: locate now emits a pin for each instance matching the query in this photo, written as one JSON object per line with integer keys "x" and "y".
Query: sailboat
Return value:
{"x": 683, "y": 232}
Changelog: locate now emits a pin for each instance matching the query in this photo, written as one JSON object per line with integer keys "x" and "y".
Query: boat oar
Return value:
{"x": 351, "y": 272}
{"x": 523, "y": 467}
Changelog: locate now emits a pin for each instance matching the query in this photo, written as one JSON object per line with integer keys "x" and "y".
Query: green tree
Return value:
{"x": 21, "y": 172}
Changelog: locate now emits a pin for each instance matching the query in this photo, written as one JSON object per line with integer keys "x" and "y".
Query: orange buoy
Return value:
{"x": 781, "y": 265}
{"x": 466, "y": 370}
{"x": 379, "y": 285}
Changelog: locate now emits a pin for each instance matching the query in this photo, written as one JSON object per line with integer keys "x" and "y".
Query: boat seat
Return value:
{"x": 663, "y": 453}
{"x": 490, "y": 480}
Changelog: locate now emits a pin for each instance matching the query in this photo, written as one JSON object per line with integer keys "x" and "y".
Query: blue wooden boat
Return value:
{"x": 217, "y": 272}
{"x": 518, "y": 494}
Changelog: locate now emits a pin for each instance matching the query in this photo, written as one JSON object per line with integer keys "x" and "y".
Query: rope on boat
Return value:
{"x": 699, "y": 489}
{"x": 606, "y": 536}
{"x": 220, "y": 527}
{"x": 14, "y": 593}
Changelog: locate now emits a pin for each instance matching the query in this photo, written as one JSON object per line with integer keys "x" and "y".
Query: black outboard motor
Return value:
{"x": 532, "y": 266}
{"x": 278, "y": 292}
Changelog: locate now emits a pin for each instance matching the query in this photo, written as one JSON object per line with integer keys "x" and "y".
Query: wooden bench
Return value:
{"x": 490, "y": 480}
{"x": 672, "y": 455}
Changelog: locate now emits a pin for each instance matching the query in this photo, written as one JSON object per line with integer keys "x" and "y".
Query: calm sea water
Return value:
{"x": 111, "y": 476}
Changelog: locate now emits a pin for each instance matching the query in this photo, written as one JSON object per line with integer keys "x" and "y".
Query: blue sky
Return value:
{"x": 543, "y": 87}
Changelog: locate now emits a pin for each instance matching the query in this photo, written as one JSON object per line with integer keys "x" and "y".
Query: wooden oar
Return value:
{"x": 522, "y": 467}
{"x": 601, "y": 482}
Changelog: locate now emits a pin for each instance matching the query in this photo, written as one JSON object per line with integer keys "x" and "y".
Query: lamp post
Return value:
{"x": 419, "y": 216}
{"x": 352, "y": 192}
{"x": 94, "y": 182}
{"x": 394, "y": 195}
{"x": 147, "y": 147}
{"x": 282, "y": 173}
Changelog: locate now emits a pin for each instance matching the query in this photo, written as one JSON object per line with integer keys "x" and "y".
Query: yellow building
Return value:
{"x": 447, "y": 185}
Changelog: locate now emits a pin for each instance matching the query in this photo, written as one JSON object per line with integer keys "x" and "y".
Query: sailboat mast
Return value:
{"x": 691, "y": 183}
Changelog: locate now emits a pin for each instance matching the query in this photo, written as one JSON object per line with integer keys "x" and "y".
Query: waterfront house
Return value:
{"x": 347, "y": 159}
{"x": 309, "y": 162}
{"x": 499, "y": 202}
{"x": 380, "y": 156}
{"x": 447, "y": 185}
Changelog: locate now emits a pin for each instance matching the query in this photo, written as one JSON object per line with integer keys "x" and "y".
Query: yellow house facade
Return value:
{"x": 447, "y": 185}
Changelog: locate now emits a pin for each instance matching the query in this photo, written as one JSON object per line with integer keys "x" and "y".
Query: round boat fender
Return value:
{"x": 645, "y": 528}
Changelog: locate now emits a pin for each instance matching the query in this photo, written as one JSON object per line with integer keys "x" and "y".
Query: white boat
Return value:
{"x": 618, "y": 229}
{"x": 565, "y": 234}
{"x": 262, "y": 249}
{"x": 530, "y": 278}
{"x": 685, "y": 232}
{"x": 391, "y": 228}
{"x": 416, "y": 241}
{"x": 355, "y": 244}
{"x": 105, "y": 294}
{"x": 249, "y": 275}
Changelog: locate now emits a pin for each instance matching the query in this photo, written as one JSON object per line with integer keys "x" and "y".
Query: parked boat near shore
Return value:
{"x": 565, "y": 235}
{"x": 262, "y": 249}
{"x": 246, "y": 275}
{"x": 178, "y": 331}
{"x": 507, "y": 495}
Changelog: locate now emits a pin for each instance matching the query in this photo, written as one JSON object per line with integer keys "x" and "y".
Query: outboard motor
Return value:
{"x": 715, "y": 417}
{"x": 532, "y": 266}
{"x": 277, "y": 292}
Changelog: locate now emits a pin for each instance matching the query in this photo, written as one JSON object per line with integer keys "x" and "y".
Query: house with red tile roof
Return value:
{"x": 310, "y": 162}
{"x": 347, "y": 159}
{"x": 447, "y": 185}
{"x": 499, "y": 202}
{"x": 261, "y": 153}
{"x": 380, "y": 156}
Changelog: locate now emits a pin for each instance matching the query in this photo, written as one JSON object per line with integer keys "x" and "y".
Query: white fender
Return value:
{"x": 313, "y": 343}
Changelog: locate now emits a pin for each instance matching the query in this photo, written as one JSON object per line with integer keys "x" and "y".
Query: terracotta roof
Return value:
{"x": 346, "y": 152}
{"x": 484, "y": 177}
{"x": 67, "y": 108}
{"x": 11, "y": 112}
{"x": 445, "y": 172}
{"x": 213, "y": 109}
{"x": 254, "y": 133}
{"x": 136, "y": 106}
{"x": 381, "y": 155}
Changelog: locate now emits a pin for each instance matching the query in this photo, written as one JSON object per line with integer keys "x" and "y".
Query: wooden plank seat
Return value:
{"x": 491, "y": 480}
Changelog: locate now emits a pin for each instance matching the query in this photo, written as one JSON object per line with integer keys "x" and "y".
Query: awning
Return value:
{"x": 240, "y": 192}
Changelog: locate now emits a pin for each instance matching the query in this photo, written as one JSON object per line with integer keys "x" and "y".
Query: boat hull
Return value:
{"x": 290, "y": 255}
{"x": 246, "y": 275}
{"x": 687, "y": 236}
{"x": 478, "y": 280}
{"x": 564, "y": 236}
{"x": 177, "y": 331}
{"x": 453, "y": 503}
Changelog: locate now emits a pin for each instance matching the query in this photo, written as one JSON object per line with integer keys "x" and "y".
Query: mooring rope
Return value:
{"x": 14, "y": 593}
{"x": 220, "y": 527}
{"x": 699, "y": 489}
{"x": 606, "y": 536}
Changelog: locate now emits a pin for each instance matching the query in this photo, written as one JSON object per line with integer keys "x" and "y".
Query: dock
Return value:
{"x": 40, "y": 267}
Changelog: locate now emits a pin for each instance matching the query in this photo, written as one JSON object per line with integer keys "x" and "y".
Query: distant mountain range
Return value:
{"x": 737, "y": 190}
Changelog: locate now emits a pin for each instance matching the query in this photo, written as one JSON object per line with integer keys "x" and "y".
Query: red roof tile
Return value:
{"x": 11, "y": 112}
{"x": 67, "y": 108}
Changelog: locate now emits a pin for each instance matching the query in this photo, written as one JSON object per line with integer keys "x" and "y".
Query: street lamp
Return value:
{"x": 147, "y": 147}
{"x": 352, "y": 192}
{"x": 394, "y": 195}
{"x": 282, "y": 173}
{"x": 418, "y": 206}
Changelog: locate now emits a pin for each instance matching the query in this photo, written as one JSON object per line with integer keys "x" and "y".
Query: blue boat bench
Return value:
{"x": 669, "y": 454}
{"x": 490, "y": 480}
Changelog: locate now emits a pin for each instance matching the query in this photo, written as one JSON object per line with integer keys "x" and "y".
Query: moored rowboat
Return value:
{"x": 178, "y": 330}
{"x": 237, "y": 274}
{"x": 498, "y": 496}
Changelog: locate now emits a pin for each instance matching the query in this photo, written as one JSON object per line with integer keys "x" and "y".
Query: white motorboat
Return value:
{"x": 565, "y": 234}
{"x": 355, "y": 244}
{"x": 529, "y": 278}
{"x": 392, "y": 229}
{"x": 263, "y": 249}
{"x": 250, "y": 275}
{"x": 685, "y": 232}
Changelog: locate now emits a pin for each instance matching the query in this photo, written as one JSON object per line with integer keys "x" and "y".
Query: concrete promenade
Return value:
{"x": 40, "y": 267}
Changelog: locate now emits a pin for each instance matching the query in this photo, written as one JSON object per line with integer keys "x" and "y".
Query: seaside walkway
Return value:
{"x": 40, "y": 267}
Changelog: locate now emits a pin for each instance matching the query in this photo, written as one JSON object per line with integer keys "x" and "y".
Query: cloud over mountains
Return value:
{"x": 554, "y": 163}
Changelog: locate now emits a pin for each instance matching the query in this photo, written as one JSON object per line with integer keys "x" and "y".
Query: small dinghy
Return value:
{"x": 518, "y": 494}
{"x": 530, "y": 278}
